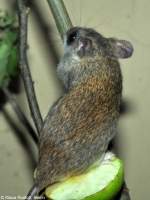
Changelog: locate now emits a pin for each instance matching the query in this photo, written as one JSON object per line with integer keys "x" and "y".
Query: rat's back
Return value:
{"x": 79, "y": 127}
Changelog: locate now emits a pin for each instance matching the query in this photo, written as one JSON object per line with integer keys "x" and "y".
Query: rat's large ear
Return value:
{"x": 120, "y": 48}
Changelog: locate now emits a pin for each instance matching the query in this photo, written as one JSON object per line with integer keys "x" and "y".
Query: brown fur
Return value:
{"x": 81, "y": 125}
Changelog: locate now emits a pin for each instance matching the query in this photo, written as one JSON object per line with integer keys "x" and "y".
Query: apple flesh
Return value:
{"x": 101, "y": 182}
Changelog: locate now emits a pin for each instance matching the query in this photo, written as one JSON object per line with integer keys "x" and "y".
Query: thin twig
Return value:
{"x": 21, "y": 116}
{"x": 25, "y": 71}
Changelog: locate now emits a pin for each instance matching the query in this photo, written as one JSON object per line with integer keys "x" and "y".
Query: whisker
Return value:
{"x": 102, "y": 23}
{"x": 95, "y": 10}
{"x": 80, "y": 19}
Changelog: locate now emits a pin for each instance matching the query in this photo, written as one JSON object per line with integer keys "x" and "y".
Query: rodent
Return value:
{"x": 80, "y": 125}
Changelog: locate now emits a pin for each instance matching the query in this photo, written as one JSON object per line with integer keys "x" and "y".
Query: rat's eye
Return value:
{"x": 71, "y": 37}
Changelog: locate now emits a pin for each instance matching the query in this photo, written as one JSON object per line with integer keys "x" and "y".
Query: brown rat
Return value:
{"x": 80, "y": 125}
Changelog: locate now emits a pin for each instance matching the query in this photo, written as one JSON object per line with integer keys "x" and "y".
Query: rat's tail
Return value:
{"x": 33, "y": 191}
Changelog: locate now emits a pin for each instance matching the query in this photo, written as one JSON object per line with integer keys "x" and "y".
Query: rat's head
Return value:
{"x": 81, "y": 43}
{"x": 84, "y": 45}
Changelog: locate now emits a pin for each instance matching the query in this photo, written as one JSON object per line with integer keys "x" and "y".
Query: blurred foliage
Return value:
{"x": 8, "y": 48}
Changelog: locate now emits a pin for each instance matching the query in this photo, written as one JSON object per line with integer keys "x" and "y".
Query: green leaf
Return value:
{"x": 5, "y": 19}
{"x": 4, "y": 54}
{"x": 12, "y": 66}
{"x": 8, "y": 49}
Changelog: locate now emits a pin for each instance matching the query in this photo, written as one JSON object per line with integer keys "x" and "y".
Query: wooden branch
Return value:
{"x": 21, "y": 116}
{"x": 25, "y": 71}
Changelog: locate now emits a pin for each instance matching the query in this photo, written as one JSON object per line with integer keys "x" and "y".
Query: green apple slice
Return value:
{"x": 100, "y": 182}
